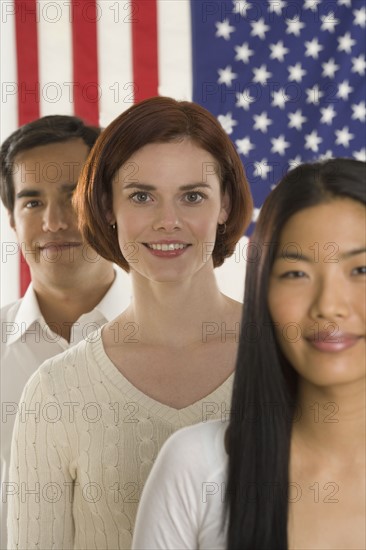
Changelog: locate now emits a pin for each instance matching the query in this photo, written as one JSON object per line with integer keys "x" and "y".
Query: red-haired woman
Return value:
{"x": 164, "y": 195}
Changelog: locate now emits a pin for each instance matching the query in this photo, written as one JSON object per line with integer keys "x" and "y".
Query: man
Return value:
{"x": 73, "y": 290}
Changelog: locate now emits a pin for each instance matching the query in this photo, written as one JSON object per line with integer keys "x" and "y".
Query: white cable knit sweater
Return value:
{"x": 84, "y": 442}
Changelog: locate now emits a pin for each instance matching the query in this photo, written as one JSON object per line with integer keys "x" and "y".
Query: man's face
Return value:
{"x": 43, "y": 218}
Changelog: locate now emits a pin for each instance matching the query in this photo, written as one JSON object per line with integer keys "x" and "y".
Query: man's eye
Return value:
{"x": 140, "y": 197}
{"x": 32, "y": 204}
{"x": 361, "y": 270}
{"x": 194, "y": 196}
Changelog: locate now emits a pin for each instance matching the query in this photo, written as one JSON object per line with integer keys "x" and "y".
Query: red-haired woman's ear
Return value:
{"x": 225, "y": 208}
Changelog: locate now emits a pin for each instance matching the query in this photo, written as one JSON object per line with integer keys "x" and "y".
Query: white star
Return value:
{"x": 224, "y": 29}
{"x": 241, "y": 6}
{"x": 255, "y": 214}
{"x": 279, "y": 98}
{"x": 226, "y": 76}
{"x": 311, "y": 5}
{"x": 345, "y": 43}
{"x": 279, "y": 145}
{"x": 344, "y": 89}
{"x": 262, "y": 122}
{"x": 261, "y": 75}
{"x": 244, "y": 145}
{"x": 359, "y": 111}
{"x": 262, "y": 168}
{"x": 244, "y": 100}
{"x": 227, "y": 122}
{"x": 343, "y": 136}
{"x": 243, "y": 53}
{"x": 314, "y": 95}
{"x": 313, "y": 48}
{"x": 278, "y": 51}
{"x": 276, "y": 6}
{"x": 360, "y": 17}
{"x": 296, "y": 120}
{"x": 312, "y": 141}
{"x": 327, "y": 155}
{"x": 329, "y": 22}
{"x": 359, "y": 65}
{"x": 294, "y": 26}
{"x": 293, "y": 163}
{"x": 360, "y": 155}
{"x": 330, "y": 68}
{"x": 296, "y": 72}
{"x": 259, "y": 28}
{"x": 328, "y": 113}
{"x": 345, "y": 3}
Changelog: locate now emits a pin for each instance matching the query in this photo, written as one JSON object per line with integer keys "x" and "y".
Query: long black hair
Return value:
{"x": 265, "y": 386}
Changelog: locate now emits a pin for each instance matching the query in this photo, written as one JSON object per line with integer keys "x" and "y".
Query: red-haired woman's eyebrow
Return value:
{"x": 191, "y": 186}
{"x": 149, "y": 187}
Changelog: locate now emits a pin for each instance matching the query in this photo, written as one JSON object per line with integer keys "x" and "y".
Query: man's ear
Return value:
{"x": 225, "y": 208}
{"x": 11, "y": 219}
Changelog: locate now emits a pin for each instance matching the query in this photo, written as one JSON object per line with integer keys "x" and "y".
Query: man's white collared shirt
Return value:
{"x": 26, "y": 342}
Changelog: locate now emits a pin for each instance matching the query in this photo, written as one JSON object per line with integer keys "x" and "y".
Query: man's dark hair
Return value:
{"x": 43, "y": 131}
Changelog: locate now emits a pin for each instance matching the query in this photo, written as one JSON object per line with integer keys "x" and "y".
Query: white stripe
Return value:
{"x": 9, "y": 271}
{"x": 114, "y": 58}
{"x": 174, "y": 49}
{"x": 8, "y": 63}
{"x": 55, "y": 57}
{"x": 9, "y": 267}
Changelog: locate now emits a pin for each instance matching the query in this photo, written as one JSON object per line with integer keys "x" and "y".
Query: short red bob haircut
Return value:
{"x": 158, "y": 120}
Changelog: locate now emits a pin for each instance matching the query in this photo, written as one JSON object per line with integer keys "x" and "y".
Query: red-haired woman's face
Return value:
{"x": 317, "y": 292}
{"x": 167, "y": 203}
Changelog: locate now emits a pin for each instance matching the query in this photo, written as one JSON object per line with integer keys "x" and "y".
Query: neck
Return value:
{"x": 180, "y": 313}
{"x": 332, "y": 420}
{"x": 61, "y": 306}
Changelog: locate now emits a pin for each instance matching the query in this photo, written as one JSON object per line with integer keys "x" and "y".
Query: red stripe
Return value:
{"x": 28, "y": 82}
{"x": 144, "y": 48}
{"x": 27, "y": 60}
{"x": 85, "y": 60}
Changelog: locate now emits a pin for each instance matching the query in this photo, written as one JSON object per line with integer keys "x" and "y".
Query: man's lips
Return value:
{"x": 332, "y": 341}
{"x": 59, "y": 245}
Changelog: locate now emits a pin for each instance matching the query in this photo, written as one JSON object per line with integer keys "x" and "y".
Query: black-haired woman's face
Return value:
{"x": 317, "y": 292}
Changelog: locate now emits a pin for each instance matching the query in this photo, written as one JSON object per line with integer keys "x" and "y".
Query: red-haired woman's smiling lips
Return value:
{"x": 167, "y": 249}
{"x": 333, "y": 341}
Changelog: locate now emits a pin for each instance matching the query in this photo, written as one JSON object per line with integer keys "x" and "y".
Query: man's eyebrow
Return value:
{"x": 28, "y": 193}
{"x": 148, "y": 187}
{"x": 66, "y": 187}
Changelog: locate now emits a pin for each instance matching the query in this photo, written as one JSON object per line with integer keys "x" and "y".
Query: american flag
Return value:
{"x": 285, "y": 78}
